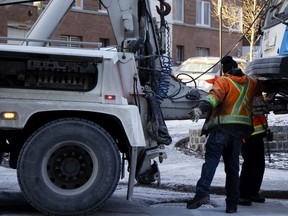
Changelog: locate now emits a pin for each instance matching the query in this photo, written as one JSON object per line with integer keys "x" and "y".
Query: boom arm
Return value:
{"x": 48, "y": 20}
{"x": 8, "y": 2}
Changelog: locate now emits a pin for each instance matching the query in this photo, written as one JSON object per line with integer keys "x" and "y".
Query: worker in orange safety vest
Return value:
{"x": 229, "y": 104}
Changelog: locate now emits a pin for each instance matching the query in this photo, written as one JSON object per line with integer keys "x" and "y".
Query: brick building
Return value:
{"x": 193, "y": 29}
{"x": 196, "y": 31}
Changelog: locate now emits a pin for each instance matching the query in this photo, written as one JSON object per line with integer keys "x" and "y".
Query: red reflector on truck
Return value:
{"x": 110, "y": 97}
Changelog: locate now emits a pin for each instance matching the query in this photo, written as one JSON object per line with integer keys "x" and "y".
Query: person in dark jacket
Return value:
{"x": 253, "y": 166}
{"x": 229, "y": 104}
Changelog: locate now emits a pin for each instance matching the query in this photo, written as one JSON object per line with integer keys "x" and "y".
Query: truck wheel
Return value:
{"x": 69, "y": 167}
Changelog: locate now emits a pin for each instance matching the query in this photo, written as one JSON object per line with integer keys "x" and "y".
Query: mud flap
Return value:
{"x": 147, "y": 171}
{"x": 151, "y": 175}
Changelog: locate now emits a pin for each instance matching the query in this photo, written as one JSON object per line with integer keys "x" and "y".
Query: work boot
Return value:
{"x": 245, "y": 202}
{"x": 257, "y": 199}
{"x": 197, "y": 202}
{"x": 231, "y": 209}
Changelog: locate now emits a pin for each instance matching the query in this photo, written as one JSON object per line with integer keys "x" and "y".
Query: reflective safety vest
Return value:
{"x": 260, "y": 124}
{"x": 238, "y": 113}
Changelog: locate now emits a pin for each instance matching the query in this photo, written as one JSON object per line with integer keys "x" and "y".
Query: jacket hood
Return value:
{"x": 236, "y": 72}
{"x": 238, "y": 79}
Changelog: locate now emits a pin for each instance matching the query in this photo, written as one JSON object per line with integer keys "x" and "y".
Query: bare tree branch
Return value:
{"x": 232, "y": 17}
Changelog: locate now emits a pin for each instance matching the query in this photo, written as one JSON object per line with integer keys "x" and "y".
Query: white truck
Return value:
{"x": 272, "y": 63}
{"x": 71, "y": 119}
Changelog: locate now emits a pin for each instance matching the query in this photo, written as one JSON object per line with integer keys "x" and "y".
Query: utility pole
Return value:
{"x": 220, "y": 32}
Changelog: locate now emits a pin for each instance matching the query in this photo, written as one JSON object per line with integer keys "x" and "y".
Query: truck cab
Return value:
{"x": 271, "y": 65}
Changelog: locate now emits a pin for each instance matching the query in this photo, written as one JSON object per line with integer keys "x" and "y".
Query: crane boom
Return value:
{"x": 8, "y": 2}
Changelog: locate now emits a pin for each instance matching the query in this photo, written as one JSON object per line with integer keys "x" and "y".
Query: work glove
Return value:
{"x": 195, "y": 114}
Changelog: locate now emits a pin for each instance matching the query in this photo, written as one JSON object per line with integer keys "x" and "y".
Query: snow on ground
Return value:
{"x": 277, "y": 120}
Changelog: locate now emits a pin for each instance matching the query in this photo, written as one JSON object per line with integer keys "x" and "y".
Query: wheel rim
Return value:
{"x": 69, "y": 168}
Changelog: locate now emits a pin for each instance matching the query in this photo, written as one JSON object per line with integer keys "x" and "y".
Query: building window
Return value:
{"x": 180, "y": 54}
{"x": 78, "y": 4}
{"x": 203, "y": 13}
{"x": 105, "y": 42}
{"x": 17, "y": 30}
{"x": 178, "y": 10}
{"x": 72, "y": 39}
{"x": 202, "y": 51}
{"x": 39, "y": 5}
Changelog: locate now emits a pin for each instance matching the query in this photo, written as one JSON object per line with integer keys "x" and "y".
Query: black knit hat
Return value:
{"x": 228, "y": 64}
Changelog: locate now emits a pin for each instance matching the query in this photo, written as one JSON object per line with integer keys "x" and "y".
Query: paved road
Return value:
{"x": 152, "y": 201}
{"x": 13, "y": 203}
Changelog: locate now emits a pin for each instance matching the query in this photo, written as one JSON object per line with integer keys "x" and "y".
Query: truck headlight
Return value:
{"x": 9, "y": 115}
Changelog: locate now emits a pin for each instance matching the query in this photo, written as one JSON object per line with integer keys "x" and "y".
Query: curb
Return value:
{"x": 218, "y": 190}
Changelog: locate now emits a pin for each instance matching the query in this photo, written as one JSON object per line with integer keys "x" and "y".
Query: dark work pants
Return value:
{"x": 253, "y": 166}
{"x": 220, "y": 143}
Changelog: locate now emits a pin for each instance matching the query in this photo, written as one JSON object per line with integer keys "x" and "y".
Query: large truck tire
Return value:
{"x": 69, "y": 167}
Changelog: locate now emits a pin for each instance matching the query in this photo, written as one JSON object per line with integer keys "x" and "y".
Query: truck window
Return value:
{"x": 280, "y": 12}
